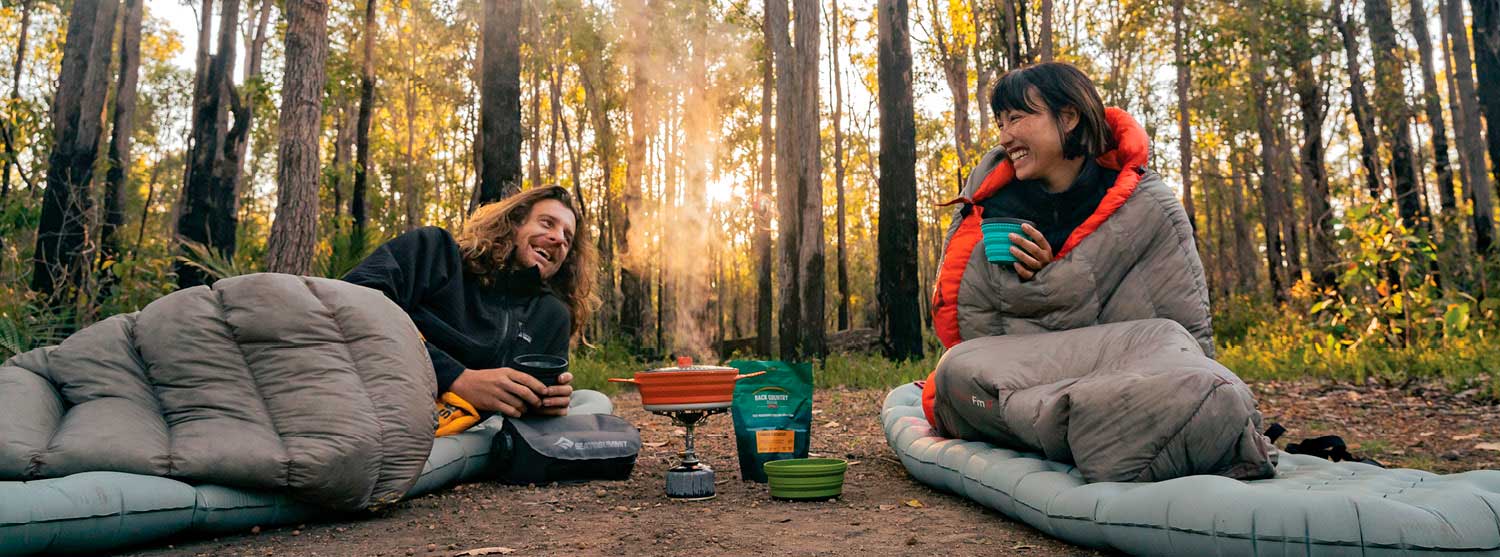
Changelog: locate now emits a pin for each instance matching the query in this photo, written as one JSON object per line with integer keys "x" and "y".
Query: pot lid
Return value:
{"x": 685, "y": 363}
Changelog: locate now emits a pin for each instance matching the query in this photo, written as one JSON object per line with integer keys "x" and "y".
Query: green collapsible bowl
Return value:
{"x": 806, "y": 478}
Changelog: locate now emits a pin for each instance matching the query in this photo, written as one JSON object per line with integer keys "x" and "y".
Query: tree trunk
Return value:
{"x": 554, "y": 91}
{"x": 838, "y": 162}
{"x": 1270, "y": 191}
{"x": 1466, "y": 121}
{"x": 294, "y": 233}
{"x": 1009, "y": 33}
{"x": 765, "y": 297}
{"x": 210, "y": 203}
{"x": 7, "y": 134}
{"x": 59, "y": 260}
{"x": 1046, "y": 39}
{"x": 1184, "y": 121}
{"x": 1433, "y": 106}
{"x": 343, "y": 151}
{"x": 118, "y": 170}
{"x": 1364, "y": 117}
{"x": 500, "y": 102}
{"x": 1395, "y": 117}
{"x": 1487, "y": 72}
{"x": 953, "y": 58}
{"x": 1321, "y": 253}
{"x": 900, "y": 311}
{"x": 1244, "y": 242}
{"x": 534, "y": 127}
{"x": 362, "y": 166}
{"x": 634, "y": 277}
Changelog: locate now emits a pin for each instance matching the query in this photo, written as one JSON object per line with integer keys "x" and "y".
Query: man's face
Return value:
{"x": 544, "y": 239}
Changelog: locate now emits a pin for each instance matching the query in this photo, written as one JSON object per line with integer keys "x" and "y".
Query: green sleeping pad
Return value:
{"x": 1311, "y": 507}
{"x": 100, "y": 511}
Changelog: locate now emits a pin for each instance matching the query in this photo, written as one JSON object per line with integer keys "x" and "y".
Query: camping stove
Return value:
{"x": 691, "y": 480}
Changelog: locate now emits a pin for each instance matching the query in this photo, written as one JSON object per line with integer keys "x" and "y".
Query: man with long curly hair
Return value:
{"x": 518, "y": 279}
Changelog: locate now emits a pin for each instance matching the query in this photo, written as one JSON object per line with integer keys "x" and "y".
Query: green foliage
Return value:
{"x": 27, "y": 326}
{"x": 213, "y": 262}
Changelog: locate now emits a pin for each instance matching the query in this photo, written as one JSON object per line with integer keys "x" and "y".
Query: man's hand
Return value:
{"x": 557, "y": 397}
{"x": 1031, "y": 255}
{"x": 502, "y": 390}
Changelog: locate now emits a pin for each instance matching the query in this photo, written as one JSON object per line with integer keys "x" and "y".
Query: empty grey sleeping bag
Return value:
{"x": 1311, "y": 507}
{"x": 313, "y": 387}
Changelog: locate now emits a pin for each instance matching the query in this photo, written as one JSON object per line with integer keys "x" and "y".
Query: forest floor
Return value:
{"x": 882, "y": 510}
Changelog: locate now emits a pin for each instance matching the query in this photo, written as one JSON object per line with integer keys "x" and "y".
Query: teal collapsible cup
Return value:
{"x": 997, "y": 231}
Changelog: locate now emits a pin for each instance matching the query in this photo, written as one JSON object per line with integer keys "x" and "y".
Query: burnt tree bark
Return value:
{"x": 209, "y": 215}
{"x": 294, "y": 232}
{"x": 1270, "y": 183}
{"x": 765, "y": 297}
{"x": 83, "y": 83}
{"x": 1364, "y": 118}
{"x": 1433, "y": 106}
{"x": 118, "y": 171}
{"x": 362, "y": 167}
{"x": 500, "y": 102}
{"x": 1321, "y": 254}
{"x": 799, "y": 187}
{"x": 1467, "y": 125}
{"x": 899, "y": 307}
{"x": 1395, "y": 116}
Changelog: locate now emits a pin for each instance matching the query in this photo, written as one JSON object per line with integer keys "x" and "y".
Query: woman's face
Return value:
{"x": 544, "y": 239}
{"x": 1033, "y": 141}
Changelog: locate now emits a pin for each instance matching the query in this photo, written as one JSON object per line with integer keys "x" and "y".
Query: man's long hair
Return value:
{"x": 488, "y": 242}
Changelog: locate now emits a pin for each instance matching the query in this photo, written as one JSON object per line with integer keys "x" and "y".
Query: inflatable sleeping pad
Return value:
{"x": 99, "y": 511}
{"x": 1311, "y": 507}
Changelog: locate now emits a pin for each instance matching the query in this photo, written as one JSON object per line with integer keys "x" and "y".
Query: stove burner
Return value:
{"x": 691, "y": 480}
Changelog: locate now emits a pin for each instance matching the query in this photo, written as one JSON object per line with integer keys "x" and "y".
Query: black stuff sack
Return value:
{"x": 564, "y": 449}
{"x": 772, "y": 414}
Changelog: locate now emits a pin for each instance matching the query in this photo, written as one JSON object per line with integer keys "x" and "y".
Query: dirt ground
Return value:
{"x": 882, "y": 510}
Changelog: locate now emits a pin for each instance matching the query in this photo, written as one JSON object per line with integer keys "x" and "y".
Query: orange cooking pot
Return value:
{"x": 686, "y": 386}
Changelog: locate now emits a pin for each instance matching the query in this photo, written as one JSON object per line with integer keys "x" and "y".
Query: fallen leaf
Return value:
{"x": 656, "y": 444}
{"x": 915, "y": 504}
{"x": 1466, "y": 437}
{"x": 1488, "y": 446}
{"x": 887, "y": 507}
{"x": 486, "y": 551}
{"x": 1024, "y": 546}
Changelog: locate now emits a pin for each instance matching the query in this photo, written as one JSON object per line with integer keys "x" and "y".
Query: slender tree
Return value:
{"x": 765, "y": 297}
{"x": 1467, "y": 123}
{"x": 953, "y": 57}
{"x": 838, "y": 162}
{"x": 900, "y": 311}
{"x": 1394, "y": 114}
{"x": 59, "y": 260}
{"x": 1184, "y": 119}
{"x": 1359, "y": 104}
{"x": 1270, "y": 183}
{"x": 7, "y": 131}
{"x": 1487, "y": 73}
{"x": 362, "y": 166}
{"x": 1320, "y": 250}
{"x": 500, "y": 102}
{"x": 1433, "y": 106}
{"x": 294, "y": 233}
{"x": 119, "y": 143}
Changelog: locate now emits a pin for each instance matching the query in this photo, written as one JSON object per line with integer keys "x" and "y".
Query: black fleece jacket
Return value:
{"x": 1056, "y": 214}
{"x": 466, "y": 324}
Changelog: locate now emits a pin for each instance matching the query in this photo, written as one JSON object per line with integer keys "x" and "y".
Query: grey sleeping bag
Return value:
{"x": 311, "y": 387}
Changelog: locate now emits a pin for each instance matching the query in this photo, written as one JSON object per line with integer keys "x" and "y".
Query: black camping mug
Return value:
{"x": 545, "y": 367}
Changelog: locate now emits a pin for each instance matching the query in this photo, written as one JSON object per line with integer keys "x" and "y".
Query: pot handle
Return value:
{"x": 739, "y": 377}
{"x": 622, "y": 380}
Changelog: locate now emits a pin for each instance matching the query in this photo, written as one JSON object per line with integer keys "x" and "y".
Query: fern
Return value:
{"x": 212, "y": 262}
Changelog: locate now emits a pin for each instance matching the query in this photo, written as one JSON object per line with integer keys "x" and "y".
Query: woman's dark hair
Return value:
{"x": 1058, "y": 85}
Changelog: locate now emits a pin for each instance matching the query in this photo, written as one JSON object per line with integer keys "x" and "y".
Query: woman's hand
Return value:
{"x": 1031, "y": 254}
{"x": 556, "y": 399}
{"x": 504, "y": 390}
